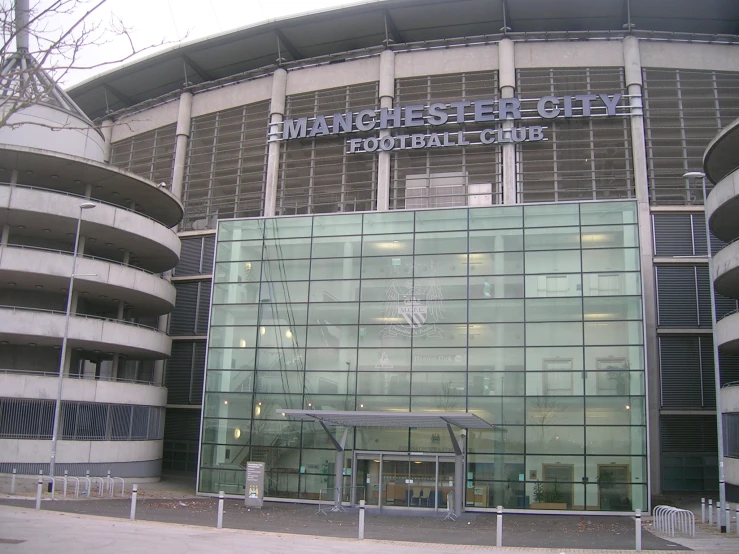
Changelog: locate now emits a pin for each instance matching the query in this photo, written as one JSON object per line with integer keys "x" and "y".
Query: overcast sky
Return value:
{"x": 179, "y": 21}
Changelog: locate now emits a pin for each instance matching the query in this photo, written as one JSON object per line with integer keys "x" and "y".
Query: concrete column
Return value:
{"x": 88, "y": 190}
{"x": 507, "y": 82}
{"x": 387, "y": 98}
{"x": 14, "y": 177}
{"x": 183, "y": 135}
{"x": 6, "y": 234}
{"x": 107, "y": 130}
{"x": 633, "y": 76}
{"x": 114, "y": 366}
{"x": 163, "y": 326}
{"x": 276, "y": 117}
{"x": 126, "y": 257}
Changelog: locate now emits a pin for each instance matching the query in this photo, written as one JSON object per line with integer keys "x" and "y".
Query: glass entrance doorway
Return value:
{"x": 404, "y": 480}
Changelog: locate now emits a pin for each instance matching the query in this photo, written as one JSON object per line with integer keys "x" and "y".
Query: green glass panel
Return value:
{"x": 238, "y": 293}
{"x": 384, "y": 336}
{"x": 280, "y": 336}
{"x": 285, "y": 382}
{"x": 431, "y": 440}
{"x": 287, "y": 227}
{"x": 496, "y": 334}
{"x": 605, "y": 308}
{"x": 611, "y": 236}
{"x": 244, "y": 229}
{"x": 611, "y": 284}
{"x": 440, "y": 265}
{"x": 614, "y": 382}
{"x": 388, "y": 222}
{"x": 613, "y": 332}
{"x": 599, "y": 213}
{"x": 500, "y": 263}
{"x": 334, "y": 402}
{"x": 496, "y": 311}
{"x": 556, "y": 261}
{"x": 327, "y": 313}
{"x": 336, "y": 268}
{"x": 496, "y": 359}
{"x": 505, "y": 240}
{"x": 440, "y": 243}
{"x": 441, "y": 220}
{"x": 329, "y": 382}
{"x": 379, "y": 359}
{"x": 449, "y": 360}
{"x": 622, "y": 441}
{"x": 337, "y": 247}
{"x": 554, "y": 359}
{"x": 382, "y": 440}
{"x": 286, "y": 270}
{"x": 489, "y": 286}
{"x": 290, "y": 358}
{"x": 273, "y": 402}
{"x": 231, "y": 358}
{"x": 605, "y": 410}
{"x": 224, "y": 431}
{"x": 227, "y": 405}
{"x": 383, "y": 403}
{"x": 448, "y": 287}
{"x": 282, "y": 315}
{"x": 496, "y": 410}
{"x": 439, "y": 401}
{"x": 432, "y": 334}
{"x": 440, "y": 385}
{"x": 387, "y": 267}
{"x": 387, "y": 382}
{"x": 614, "y": 358}
{"x": 554, "y": 383}
{"x": 235, "y": 315}
{"x": 378, "y": 289}
{"x": 342, "y": 336}
{"x": 554, "y": 309}
{"x": 554, "y": 440}
{"x": 380, "y": 313}
{"x": 387, "y": 245}
{"x": 615, "y": 259}
{"x": 554, "y": 409}
{"x": 239, "y": 251}
{"x": 283, "y": 291}
{"x": 496, "y": 218}
{"x": 337, "y": 225}
{"x": 558, "y": 238}
{"x": 502, "y": 441}
{"x": 554, "y": 334}
{"x": 286, "y": 249}
{"x": 551, "y": 215}
{"x": 538, "y": 286}
{"x": 332, "y": 291}
{"x": 329, "y": 359}
{"x": 496, "y": 383}
{"x": 237, "y": 272}
{"x": 229, "y": 381}
{"x": 233, "y": 337}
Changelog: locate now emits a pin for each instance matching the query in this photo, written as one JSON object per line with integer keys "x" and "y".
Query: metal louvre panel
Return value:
{"x": 209, "y": 245}
{"x": 190, "y": 256}
{"x": 149, "y": 154}
{"x": 729, "y": 366}
{"x": 673, "y": 235}
{"x": 688, "y": 433}
{"x": 201, "y": 323}
{"x": 225, "y": 168}
{"x": 683, "y": 111}
{"x": 704, "y": 296}
{"x": 457, "y": 176}
{"x": 179, "y": 370}
{"x": 182, "y": 320}
{"x": 197, "y": 381}
{"x": 680, "y": 372}
{"x": 731, "y": 435}
{"x": 676, "y": 296}
{"x": 182, "y": 425}
{"x": 699, "y": 231}
{"x": 319, "y": 175}
{"x": 708, "y": 387}
{"x": 584, "y": 159}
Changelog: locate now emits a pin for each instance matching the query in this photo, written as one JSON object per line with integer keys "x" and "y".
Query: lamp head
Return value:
{"x": 697, "y": 174}
{"x": 87, "y": 205}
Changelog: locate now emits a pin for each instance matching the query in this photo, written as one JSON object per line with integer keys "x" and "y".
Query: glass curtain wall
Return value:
{"x": 528, "y": 316}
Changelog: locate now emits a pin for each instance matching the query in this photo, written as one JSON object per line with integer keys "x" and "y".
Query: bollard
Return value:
{"x": 637, "y": 524}
{"x": 12, "y": 482}
{"x": 219, "y": 524}
{"x": 727, "y": 518}
{"x": 38, "y": 492}
{"x": 736, "y": 508}
{"x": 361, "y": 520}
{"x": 134, "y": 490}
{"x": 703, "y": 510}
{"x": 710, "y": 512}
{"x": 718, "y": 515}
{"x": 499, "y": 527}
{"x": 66, "y": 476}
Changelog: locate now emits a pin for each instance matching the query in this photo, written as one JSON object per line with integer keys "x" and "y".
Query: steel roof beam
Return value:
{"x": 289, "y": 46}
{"x": 391, "y": 30}
{"x": 202, "y": 73}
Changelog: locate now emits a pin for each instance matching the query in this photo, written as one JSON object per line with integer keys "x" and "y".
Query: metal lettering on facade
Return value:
{"x": 454, "y": 113}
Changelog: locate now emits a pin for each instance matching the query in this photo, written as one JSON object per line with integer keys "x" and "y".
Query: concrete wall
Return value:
{"x": 451, "y": 60}
{"x": 51, "y": 129}
{"x": 25, "y": 451}
{"x": 569, "y": 54}
{"x": 81, "y": 390}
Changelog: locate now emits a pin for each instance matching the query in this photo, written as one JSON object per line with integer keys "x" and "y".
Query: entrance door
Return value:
{"x": 558, "y": 483}
{"x": 405, "y": 480}
{"x": 613, "y": 487}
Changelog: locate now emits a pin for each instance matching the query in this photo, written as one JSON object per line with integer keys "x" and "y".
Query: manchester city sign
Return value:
{"x": 392, "y": 122}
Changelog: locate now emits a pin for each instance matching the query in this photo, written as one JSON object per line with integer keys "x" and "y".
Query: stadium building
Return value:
{"x": 433, "y": 246}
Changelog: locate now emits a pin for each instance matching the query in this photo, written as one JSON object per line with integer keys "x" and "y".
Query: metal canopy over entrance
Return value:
{"x": 428, "y": 420}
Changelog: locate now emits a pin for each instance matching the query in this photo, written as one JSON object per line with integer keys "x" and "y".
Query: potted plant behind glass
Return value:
{"x": 544, "y": 499}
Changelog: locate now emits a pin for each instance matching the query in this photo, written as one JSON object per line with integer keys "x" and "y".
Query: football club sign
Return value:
{"x": 418, "y": 307}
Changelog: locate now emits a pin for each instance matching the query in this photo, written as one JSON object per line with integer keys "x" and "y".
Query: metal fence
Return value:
{"x": 33, "y": 419}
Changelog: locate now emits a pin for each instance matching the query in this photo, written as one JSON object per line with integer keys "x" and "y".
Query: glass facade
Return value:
{"x": 528, "y": 316}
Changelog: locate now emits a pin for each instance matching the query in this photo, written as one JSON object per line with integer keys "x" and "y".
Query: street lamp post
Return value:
{"x": 60, "y": 378}
{"x": 716, "y": 365}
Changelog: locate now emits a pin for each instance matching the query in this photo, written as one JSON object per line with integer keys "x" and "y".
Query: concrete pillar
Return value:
{"x": 507, "y": 82}
{"x": 387, "y": 98}
{"x": 276, "y": 117}
{"x": 14, "y": 177}
{"x": 183, "y": 135}
{"x": 126, "y": 257}
{"x": 88, "y": 190}
{"x": 107, "y": 129}
{"x": 6, "y": 234}
{"x": 633, "y": 76}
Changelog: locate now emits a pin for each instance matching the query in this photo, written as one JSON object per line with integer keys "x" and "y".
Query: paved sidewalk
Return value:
{"x": 24, "y": 531}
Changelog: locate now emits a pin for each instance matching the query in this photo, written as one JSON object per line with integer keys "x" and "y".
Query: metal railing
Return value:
{"x": 87, "y": 316}
{"x": 85, "y": 256}
{"x": 90, "y": 199}
{"x": 55, "y": 374}
{"x": 669, "y": 520}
